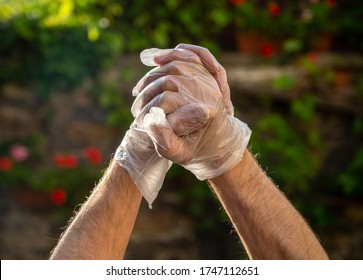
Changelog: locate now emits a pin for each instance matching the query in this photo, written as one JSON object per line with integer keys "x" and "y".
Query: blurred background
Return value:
{"x": 67, "y": 68}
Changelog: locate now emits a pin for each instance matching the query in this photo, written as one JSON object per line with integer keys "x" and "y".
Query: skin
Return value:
{"x": 268, "y": 225}
{"x": 103, "y": 226}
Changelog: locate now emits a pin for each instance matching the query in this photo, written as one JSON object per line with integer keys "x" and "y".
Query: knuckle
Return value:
{"x": 159, "y": 101}
{"x": 168, "y": 83}
{"x": 178, "y": 126}
{"x": 147, "y": 80}
{"x": 206, "y": 51}
{"x": 221, "y": 70}
{"x": 175, "y": 64}
{"x": 170, "y": 150}
{"x": 174, "y": 54}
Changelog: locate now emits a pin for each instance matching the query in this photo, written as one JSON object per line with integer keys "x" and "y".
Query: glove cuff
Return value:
{"x": 145, "y": 167}
{"x": 229, "y": 152}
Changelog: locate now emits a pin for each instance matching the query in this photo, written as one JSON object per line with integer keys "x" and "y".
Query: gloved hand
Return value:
{"x": 208, "y": 151}
{"x": 186, "y": 53}
{"x": 136, "y": 152}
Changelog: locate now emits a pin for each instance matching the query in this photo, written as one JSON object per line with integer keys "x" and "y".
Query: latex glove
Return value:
{"x": 209, "y": 151}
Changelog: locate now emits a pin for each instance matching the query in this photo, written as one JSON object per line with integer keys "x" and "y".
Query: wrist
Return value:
{"x": 238, "y": 172}
{"x": 118, "y": 182}
{"x": 133, "y": 152}
{"x": 137, "y": 155}
{"x": 223, "y": 154}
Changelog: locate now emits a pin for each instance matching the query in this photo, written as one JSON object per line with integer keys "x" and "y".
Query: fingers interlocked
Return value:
{"x": 183, "y": 113}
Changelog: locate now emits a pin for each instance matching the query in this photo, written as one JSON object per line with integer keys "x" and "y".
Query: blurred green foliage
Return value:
{"x": 55, "y": 44}
{"x": 297, "y": 23}
{"x": 290, "y": 145}
{"x": 68, "y": 40}
{"x": 352, "y": 177}
{"x": 117, "y": 110}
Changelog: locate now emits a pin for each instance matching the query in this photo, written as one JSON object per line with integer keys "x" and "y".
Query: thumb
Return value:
{"x": 187, "y": 121}
{"x": 166, "y": 142}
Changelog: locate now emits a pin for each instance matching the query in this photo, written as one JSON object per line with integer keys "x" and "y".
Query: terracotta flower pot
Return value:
{"x": 249, "y": 42}
{"x": 342, "y": 78}
{"x": 255, "y": 43}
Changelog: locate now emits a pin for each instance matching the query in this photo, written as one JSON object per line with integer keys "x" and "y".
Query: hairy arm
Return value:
{"x": 103, "y": 226}
{"x": 268, "y": 225}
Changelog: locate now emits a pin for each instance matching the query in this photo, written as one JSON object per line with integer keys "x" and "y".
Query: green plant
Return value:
{"x": 348, "y": 31}
{"x": 56, "y": 36}
{"x": 289, "y": 145}
{"x": 284, "y": 82}
{"x": 351, "y": 178}
{"x": 165, "y": 23}
{"x": 115, "y": 105}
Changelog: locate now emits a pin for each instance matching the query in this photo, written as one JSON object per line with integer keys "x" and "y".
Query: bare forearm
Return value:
{"x": 268, "y": 225}
{"x": 102, "y": 228}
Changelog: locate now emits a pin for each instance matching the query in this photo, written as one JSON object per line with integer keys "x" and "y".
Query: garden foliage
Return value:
{"x": 55, "y": 44}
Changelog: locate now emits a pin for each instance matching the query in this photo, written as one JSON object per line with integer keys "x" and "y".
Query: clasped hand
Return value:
{"x": 183, "y": 114}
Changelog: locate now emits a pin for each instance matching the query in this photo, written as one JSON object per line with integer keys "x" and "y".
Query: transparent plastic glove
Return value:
{"x": 137, "y": 155}
{"x": 136, "y": 152}
{"x": 186, "y": 53}
{"x": 209, "y": 151}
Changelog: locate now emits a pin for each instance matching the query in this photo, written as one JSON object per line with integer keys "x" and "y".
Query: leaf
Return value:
{"x": 304, "y": 108}
{"x": 292, "y": 45}
{"x": 284, "y": 82}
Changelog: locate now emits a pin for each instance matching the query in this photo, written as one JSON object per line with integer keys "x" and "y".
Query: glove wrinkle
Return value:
{"x": 183, "y": 115}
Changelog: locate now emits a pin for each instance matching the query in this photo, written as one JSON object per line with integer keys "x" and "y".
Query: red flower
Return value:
{"x": 274, "y": 8}
{"x": 237, "y": 2}
{"x": 5, "y": 164}
{"x": 65, "y": 161}
{"x": 331, "y": 3}
{"x": 93, "y": 155}
{"x": 58, "y": 196}
{"x": 268, "y": 50}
